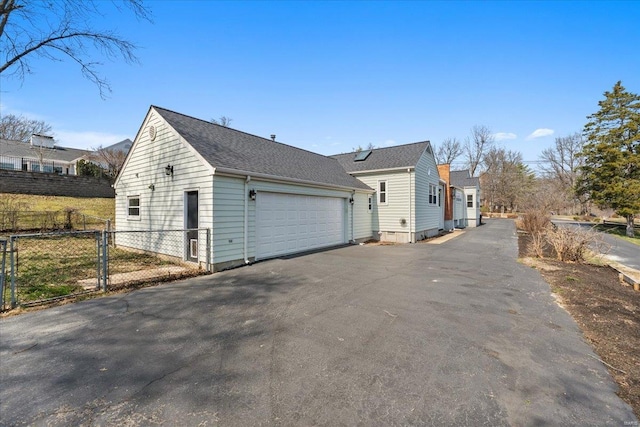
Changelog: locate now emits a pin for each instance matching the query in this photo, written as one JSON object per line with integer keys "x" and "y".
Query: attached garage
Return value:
{"x": 291, "y": 223}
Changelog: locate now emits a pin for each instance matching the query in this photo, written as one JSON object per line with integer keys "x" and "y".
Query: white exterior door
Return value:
{"x": 290, "y": 223}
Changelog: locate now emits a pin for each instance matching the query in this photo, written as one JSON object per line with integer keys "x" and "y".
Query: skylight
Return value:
{"x": 362, "y": 155}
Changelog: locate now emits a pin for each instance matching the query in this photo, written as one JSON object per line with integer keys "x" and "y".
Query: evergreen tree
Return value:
{"x": 610, "y": 175}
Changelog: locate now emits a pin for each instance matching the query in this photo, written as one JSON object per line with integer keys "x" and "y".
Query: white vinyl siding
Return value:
{"x": 399, "y": 185}
{"x": 473, "y": 211}
{"x": 161, "y": 196}
{"x": 363, "y": 205}
{"x": 427, "y": 214}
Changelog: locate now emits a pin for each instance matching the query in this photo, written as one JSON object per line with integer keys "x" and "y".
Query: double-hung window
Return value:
{"x": 433, "y": 194}
{"x": 382, "y": 193}
{"x": 469, "y": 200}
{"x": 133, "y": 207}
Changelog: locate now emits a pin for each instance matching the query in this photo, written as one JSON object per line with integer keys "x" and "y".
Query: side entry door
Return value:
{"x": 191, "y": 213}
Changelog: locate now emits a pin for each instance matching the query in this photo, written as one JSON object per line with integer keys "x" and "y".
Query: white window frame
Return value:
{"x": 385, "y": 192}
{"x": 131, "y": 217}
{"x": 433, "y": 194}
{"x": 469, "y": 201}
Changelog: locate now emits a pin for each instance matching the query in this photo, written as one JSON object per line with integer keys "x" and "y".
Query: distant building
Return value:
{"x": 124, "y": 146}
{"x": 39, "y": 155}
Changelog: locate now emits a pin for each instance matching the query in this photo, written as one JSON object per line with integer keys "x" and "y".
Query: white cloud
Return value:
{"x": 540, "y": 133}
{"x": 87, "y": 140}
{"x": 501, "y": 136}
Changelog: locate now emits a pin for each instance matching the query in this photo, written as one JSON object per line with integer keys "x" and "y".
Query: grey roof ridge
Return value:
{"x": 239, "y": 131}
{"x": 382, "y": 148}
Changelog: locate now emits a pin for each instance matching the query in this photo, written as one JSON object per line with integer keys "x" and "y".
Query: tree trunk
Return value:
{"x": 630, "y": 230}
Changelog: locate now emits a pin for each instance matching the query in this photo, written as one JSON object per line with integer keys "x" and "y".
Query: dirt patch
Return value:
{"x": 608, "y": 314}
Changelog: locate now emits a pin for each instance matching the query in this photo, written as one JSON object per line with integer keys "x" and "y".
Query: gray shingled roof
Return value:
{"x": 123, "y": 146}
{"x": 463, "y": 179}
{"x": 400, "y": 156}
{"x": 228, "y": 148}
{"x": 24, "y": 149}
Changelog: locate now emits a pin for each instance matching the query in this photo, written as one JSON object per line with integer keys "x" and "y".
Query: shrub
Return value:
{"x": 536, "y": 223}
{"x": 573, "y": 244}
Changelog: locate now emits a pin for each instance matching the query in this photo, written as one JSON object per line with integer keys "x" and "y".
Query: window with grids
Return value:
{"x": 133, "y": 207}
{"x": 382, "y": 192}
{"x": 433, "y": 194}
{"x": 469, "y": 200}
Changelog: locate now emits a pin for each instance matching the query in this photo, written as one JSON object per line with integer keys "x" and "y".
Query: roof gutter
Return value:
{"x": 401, "y": 169}
{"x": 237, "y": 172}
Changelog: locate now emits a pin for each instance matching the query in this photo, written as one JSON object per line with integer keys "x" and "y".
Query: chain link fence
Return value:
{"x": 14, "y": 220}
{"x": 44, "y": 267}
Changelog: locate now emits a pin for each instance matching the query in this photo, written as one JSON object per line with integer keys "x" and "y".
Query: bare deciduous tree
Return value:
{"x": 109, "y": 159}
{"x": 560, "y": 166}
{"x": 222, "y": 121}
{"x": 507, "y": 182}
{"x": 477, "y": 146}
{"x": 19, "y": 128}
{"x": 62, "y": 29}
{"x": 448, "y": 151}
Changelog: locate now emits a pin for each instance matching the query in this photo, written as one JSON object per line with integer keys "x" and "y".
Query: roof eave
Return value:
{"x": 238, "y": 172}
{"x": 403, "y": 168}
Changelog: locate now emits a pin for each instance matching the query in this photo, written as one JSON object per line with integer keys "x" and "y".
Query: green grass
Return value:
{"x": 52, "y": 266}
{"x": 51, "y": 211}
{"x": 102, "y": 208}
{"x": 621, "y": 233}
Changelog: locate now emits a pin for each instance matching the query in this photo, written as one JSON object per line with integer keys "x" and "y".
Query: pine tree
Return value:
{"x": 610, "y": 175}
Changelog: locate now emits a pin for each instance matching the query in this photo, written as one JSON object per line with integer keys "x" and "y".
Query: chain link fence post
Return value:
{"x": 3, "y": 258}
{"x": 105, "y": 259}
{"x": 12, "y": 261}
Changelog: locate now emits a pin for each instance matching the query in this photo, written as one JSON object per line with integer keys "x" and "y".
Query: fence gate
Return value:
{"x": 46, "y": 267}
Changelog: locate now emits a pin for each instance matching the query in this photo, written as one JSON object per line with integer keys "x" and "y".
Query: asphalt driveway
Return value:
{"x": 621, "y": 251}
{"x": 450, "y": 334}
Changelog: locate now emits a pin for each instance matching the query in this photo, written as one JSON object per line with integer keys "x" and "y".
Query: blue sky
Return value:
{"x": 330, "y": 76}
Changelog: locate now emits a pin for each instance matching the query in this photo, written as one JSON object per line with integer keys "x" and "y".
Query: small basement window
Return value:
{"x": 133, "y": 207}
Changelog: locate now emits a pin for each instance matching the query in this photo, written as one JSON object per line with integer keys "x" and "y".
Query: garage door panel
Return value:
{"x": 287, "y": 223}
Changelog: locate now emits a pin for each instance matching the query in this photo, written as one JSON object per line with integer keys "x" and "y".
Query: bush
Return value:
{"x": 536, "y": 223}
{"x": 572, "y": 244}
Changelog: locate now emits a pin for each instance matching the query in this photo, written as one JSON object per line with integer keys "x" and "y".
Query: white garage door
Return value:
{"x": 289, "y": 223}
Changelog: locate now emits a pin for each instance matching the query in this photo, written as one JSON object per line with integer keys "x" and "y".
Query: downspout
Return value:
{"x": 411, "y": 236}
{"x": 246, "y": 219}
{"x": 352, "y": 205}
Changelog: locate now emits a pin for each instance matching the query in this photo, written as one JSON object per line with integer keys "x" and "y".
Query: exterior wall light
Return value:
{"x": 168, "y": 170}
{"x": 252, "y": 194}
{"x": 351, "y": 200}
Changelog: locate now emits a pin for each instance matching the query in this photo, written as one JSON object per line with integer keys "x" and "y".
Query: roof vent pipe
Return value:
{"x": 273, "y": 136}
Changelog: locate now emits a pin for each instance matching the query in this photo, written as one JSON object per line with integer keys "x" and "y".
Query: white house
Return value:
{"x": 259, "y": 198}
{"x": 471, "y": 197}
{"x": 407, "y": 205}
{"x": 39, "y": 155}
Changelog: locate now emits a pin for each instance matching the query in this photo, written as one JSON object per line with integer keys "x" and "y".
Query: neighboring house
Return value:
{"x": 447, "y": 196}
{"x": 259, "y": 198}
{"x": 407, "y": 205}
{"x": 40, "y": 155}
{"x": 123, "y": 146}
{"x": 471, "y": 195}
